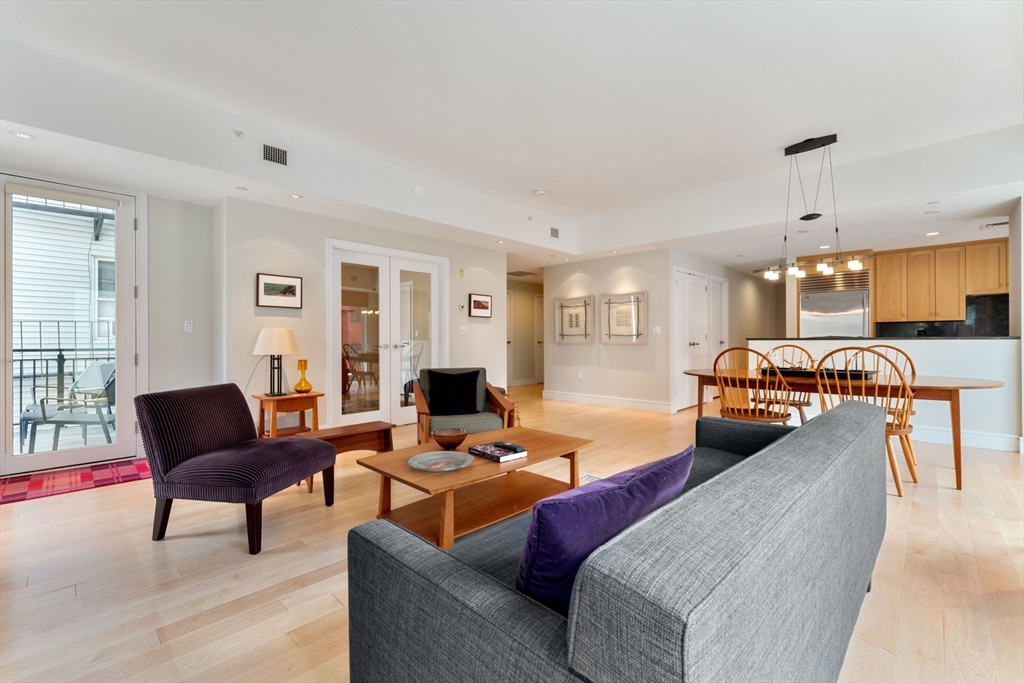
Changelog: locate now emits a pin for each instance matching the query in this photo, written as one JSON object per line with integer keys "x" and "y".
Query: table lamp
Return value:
{"x": 276, "y": 342}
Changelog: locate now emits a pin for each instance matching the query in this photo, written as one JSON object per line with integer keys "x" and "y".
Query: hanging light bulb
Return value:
{"x": 828, "y": 270}
{"x": 768, "y": 275}
{"x": 793, "y": 269}
{"x": 855, "y": 264}
{"x": 821, "y": 267}
{"x": 801, "y": 273}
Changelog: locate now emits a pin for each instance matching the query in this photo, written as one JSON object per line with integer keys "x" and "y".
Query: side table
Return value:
{"x": 289, "y": 403}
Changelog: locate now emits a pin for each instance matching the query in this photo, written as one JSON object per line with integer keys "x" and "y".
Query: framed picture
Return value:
{"x": 624, "y": 318}
{"x": 278, "y": 291}
{"x": 479, "y": 305}
{"x": 574, "y": 320}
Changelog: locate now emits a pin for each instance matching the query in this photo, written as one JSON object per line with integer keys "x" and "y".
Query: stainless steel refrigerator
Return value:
{"x": 835, "y": 314}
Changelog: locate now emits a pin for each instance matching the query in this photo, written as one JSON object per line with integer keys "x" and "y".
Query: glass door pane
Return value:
{"x": 415, "y": 331}
{"x": 65, "y": 304}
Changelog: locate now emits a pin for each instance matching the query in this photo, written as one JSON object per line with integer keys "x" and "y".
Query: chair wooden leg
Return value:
{"x": 254, "y": 526}
{"x": 309, "y": 484}
{"x": 908, "y": 456}
{"x": 910, "y": 445}
{"x": 803, "y": 415}
{"x": 328, "y": 475}
{"x": 160, "y": 517}
{"x": 895, "y": 468}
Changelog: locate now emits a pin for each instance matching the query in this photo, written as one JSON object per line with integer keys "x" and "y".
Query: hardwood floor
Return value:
{"x": 86, "y": 595}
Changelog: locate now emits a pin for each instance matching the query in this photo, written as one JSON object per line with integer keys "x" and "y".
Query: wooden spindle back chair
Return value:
{"x": 793, "y": 356}
{"x": 750, "y": 387}
{"x": 864, "y": 374}
{"x": 906, "y": 365}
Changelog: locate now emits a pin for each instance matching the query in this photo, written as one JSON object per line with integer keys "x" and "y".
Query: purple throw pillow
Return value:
{"x": 569, "y": 526}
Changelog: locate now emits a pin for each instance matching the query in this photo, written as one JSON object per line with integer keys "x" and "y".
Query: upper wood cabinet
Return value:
{"x": 890, "y": 271}
{"x": 950, "y": 289}
{"x": 921, "y": 285}
{"x": 986, "y": 268}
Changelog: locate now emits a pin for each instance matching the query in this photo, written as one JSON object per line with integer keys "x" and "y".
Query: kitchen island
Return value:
{"x": 990, "y": 418}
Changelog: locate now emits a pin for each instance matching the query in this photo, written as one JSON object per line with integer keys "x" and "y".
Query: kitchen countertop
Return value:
{"x": 878, "y": 340}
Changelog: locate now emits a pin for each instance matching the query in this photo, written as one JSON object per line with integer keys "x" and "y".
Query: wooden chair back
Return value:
{"x": 793, "y": 356}
{"x": 865, "y": 374}
{"x": 750, "y": 386}
{"x": 898, "y": 356}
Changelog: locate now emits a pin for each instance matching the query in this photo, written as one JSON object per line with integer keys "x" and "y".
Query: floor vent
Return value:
{"x": 521, "y": 273}
{"x": 275, "y": 155}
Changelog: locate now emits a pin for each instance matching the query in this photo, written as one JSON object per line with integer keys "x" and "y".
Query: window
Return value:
{"x": 104, "y": 301}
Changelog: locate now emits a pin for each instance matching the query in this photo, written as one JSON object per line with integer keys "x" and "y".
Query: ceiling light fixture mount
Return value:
{"x": 540, "y": 192}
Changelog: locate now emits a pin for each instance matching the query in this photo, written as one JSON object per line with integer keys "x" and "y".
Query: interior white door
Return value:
{"x": 538, "y": 338}
{"x": 719, "y": 317}
{"x": 415, "y": 287}
{"x": 67, "y": 319}
{"x": 691, "y": 340}
{"x": 509, "y": 350}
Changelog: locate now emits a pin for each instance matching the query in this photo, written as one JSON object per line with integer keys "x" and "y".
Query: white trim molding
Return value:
{"x": 610, "y": 401}
{"x": 971, "y": 438}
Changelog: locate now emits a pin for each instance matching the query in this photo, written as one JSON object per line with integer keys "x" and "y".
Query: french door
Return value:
{"x": 385, "y": 327}
{"x": 67, "y": 321}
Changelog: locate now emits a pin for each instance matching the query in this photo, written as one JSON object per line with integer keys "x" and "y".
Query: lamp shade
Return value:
{"x": 275, "y": 341}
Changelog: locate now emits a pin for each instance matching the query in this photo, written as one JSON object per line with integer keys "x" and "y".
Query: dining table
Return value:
{"x": 924, "y": 388}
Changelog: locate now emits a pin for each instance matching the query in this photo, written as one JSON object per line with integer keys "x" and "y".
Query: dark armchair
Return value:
{"x": 201, "y": 444}
{"x": 489, "y": 408}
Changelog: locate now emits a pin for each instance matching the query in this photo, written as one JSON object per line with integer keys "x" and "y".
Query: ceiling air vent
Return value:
{"x": 275, "y": 155}
{"x": 520, "y": 273}
{"x": 554, "y": 232}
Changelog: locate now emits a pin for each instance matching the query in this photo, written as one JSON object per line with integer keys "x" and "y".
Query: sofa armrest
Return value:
{"x": 418, "y": 614}
{"x": 737, "y": 436}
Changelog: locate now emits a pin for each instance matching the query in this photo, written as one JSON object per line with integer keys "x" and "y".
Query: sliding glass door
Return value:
{"x": 68, "y": 326}
{"x": 384, "y": 327}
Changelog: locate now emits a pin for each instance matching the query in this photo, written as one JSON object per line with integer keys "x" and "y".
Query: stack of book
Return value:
{"x": 498, "y": 451}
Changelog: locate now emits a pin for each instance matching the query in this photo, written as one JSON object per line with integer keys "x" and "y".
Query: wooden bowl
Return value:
{"x": 450, "y": 439}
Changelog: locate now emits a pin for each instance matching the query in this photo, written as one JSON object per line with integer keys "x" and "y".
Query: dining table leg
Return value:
{"x": 700, "y": 397}
{"x": 954, "y": 418}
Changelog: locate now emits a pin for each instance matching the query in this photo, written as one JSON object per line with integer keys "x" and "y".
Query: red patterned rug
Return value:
{"x": 56, "y": 482}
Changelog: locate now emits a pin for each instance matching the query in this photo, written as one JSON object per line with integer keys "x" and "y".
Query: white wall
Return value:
{"x": 181, "y": 287}
{"x": 524, "y": 295}
{"x": 990, "y": 418}
{"x": 269, "y": 239}
{"x": 620, "y": 375}
{"x": 1017, "y": 286}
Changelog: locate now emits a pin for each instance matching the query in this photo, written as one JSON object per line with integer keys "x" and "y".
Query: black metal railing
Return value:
{"x": 49, "y": 355}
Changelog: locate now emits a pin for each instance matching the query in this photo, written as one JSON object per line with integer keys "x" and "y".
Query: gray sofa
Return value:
{"x": 756, "y": 573}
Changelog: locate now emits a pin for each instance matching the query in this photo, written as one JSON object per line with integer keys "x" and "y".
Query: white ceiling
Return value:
{"x": 648, "y": 124}
{"x": 608, "y": 106}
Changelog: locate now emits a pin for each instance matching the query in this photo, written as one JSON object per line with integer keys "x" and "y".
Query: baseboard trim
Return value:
{"x": 522, "y": 382}
{"x": 610, "y": 401}
{"x": 970, "y": 437}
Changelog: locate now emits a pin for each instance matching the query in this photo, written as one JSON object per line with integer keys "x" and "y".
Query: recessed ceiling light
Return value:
{"x": 23, "y": 136}
{"x": 242, "y": 189}
{"x": 824, "y": 246}
{"x": 295, "y": 196}
{"x": 934, "y": 211}
{"x": 936, "y": 201}
{"x": 615, "y": 251}
{"x": 803, "y": 232}
{"x": 540, "y": 192}
{"x": 930, "y": 234}
{"x": 739, "y": 255}
{"x": 419, "y": 190}
{"x": 501, "y": 241}
{"x": 565, "y": 259}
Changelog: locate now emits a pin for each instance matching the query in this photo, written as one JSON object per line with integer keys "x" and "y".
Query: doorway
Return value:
{"x": 509, "y": 345}
{"x": 538, "y": 338}
{"x": 690, "y": 340}
{"x": 67, "y": 318}
{"x": 386, "y": 323}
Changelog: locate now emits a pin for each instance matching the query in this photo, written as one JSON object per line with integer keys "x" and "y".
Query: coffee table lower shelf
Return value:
{"x": 477, "y": 505}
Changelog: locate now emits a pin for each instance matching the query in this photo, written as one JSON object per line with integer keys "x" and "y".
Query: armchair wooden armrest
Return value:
{"x": 422, "y": 415}
{"x": 500, "y": 405}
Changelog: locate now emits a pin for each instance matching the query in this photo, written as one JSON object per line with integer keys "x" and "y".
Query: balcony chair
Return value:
{"x": 202, "y": 444}
{"x": 91, "y": 400}
{"x": 478, "y": 405}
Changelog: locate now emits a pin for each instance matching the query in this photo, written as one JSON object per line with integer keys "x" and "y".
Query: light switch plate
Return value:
{"x": 462, "y": 331}
{"x": 579, "y": 376}
{"x": 188, "y": 325}
{"x": 657, "y": 330}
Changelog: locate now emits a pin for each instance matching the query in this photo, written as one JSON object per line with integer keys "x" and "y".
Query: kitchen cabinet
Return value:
{"x": 950, "y": 284}
{"x": 920, "y": 285}
{"x": 987, "y": 268}
{"x": 890, "y": 271}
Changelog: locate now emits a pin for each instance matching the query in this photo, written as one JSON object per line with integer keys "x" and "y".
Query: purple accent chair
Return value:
{"x": 201, "y": 444}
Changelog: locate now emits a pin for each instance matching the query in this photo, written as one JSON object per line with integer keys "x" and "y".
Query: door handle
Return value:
{"x": 694, "y": 343}
{"x": 381, "y": 346}
{"x": 541, "y": 343}
{"x": 398, "y": 346}
{"x": 508, "y": 342}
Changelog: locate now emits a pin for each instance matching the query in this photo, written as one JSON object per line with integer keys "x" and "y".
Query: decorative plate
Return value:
{"x": 440, "y": 461}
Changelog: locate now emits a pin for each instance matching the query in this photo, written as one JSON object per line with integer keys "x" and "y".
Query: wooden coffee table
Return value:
{"x": 476, "y": 496}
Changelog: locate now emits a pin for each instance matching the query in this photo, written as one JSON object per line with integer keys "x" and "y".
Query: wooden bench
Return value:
{"x": 370, "y": 436}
